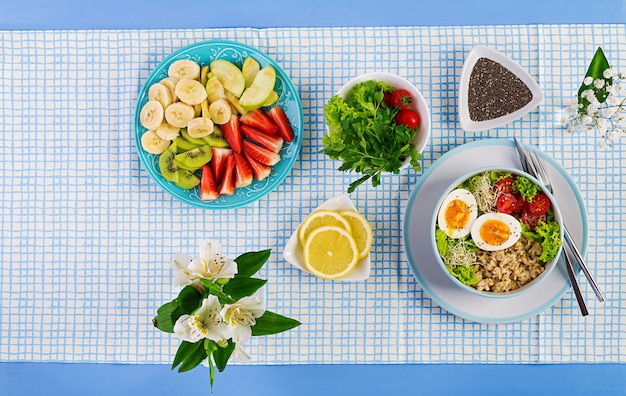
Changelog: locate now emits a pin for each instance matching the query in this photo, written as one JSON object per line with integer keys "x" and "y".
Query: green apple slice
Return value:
{"x": 272, "y": 99}
{"x": 257, "y": 94}
{"x": 232, "y": 99}
{"x": 214, "y": 89}
{"x": 229, "y": 75}
{"x": 250, "y": 68}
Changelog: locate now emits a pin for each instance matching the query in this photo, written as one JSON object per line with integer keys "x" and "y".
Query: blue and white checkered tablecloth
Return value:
{"x": 86, "y": 237}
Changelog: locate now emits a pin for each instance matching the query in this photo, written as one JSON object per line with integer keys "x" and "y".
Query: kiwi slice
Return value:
{"x": 194, "y": 158}
{"x": 184, "y": 145}
{"x": 217, "y": 131}
{"x": 186, "y": 179}
{"x": 216, "y": 141}
{"x": 167, "y": 164}
{"x": 195, "y": 141}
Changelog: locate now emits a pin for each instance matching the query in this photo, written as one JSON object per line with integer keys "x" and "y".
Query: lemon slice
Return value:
{"x": 321, "y": 218}
{"x": 330, "y": 252}
{"x": 361, "y": 231}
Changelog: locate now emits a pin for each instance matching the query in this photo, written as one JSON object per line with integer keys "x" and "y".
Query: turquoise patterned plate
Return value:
{"x": 204, "y": 53}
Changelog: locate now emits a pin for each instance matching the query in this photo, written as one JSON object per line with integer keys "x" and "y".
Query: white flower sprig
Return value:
{"x": 219, "y": 308}
{"x": 600, "y": 105}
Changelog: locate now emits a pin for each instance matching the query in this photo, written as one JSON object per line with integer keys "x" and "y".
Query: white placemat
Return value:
{"x": 86, "y": 237}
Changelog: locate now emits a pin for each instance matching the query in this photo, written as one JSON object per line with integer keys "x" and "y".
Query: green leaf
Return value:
{"x": 358, "y": 182}
{"x": 194, "y": 358}
{"x": 240, "y": 287}
{"x": 273, "y": 323}
{"x": 596, "y": 69}
{"x": 189, "y": 299}
{"x": 185, "y": 350}
{"x": 216, "y": 290}
{"x": 250, "y": 263}
{"x": 221, "y": 355}
{"x": 167, "y": 315}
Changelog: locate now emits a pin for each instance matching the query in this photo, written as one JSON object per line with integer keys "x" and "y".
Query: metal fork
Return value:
{"x": 542, "y": 176}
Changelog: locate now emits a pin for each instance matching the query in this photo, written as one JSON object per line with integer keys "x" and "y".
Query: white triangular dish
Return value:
{"x": 473, "y": 56}
{"x": 293, "y": 250}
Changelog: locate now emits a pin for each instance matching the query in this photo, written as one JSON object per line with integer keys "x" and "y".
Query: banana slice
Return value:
{"x": 151, "y": 115}
{"x": 184, "y": 68}
{"x": 167, "y": 132}
{"x": 153, "y": 144}
{"x": 170, "y": 83}
{"x": 200, "y": 127}
{"x": 220, "y": 111}
{"x": 190, "y": 91}
{"x": 161, "y": 94}
{"x": 179, "y": 114}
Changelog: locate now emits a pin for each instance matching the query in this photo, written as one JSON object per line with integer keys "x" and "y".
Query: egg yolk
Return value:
{"x": 494, "y": 232}
{"x": 457, "y": 214}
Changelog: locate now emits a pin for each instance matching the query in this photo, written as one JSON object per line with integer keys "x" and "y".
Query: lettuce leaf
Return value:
{"x": 465, "y": 274}
{"x": 526, "y": 188}
{"x": 551, "y": 241}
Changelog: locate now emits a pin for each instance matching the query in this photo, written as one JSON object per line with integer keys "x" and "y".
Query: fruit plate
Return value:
{"x": 293, "y": 249}
{"x": 204, "y": 53}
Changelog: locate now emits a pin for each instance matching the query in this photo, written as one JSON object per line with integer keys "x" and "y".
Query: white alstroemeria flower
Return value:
{"x": 182, "y": 329}
{"x": 212, "y": 264}
{"x": 240, "y": 355}
{"x": 182, "y": 274}
{"x": 241, "y": 316}
{"x": 205, "y": 322}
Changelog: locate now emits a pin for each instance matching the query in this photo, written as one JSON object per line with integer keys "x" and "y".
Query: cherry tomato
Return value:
{"x": 409, "y": 118}
{"x": 539, "y": 205}
{"x": 531, "y": 219}
{"x": 504, "y": 185}
{"x": 401, "y": 98}
{"x": 507, "y": 203}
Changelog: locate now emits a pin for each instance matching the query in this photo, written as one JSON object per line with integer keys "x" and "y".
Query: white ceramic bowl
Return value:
{"x": 293, "y": 249}
{"x": 549, "y": 266}
{"x": 473, "y": 56}
{"x": 418, "y": 104}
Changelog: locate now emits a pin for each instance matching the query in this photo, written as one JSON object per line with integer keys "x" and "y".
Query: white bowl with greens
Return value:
{"x": 497, "y": 232}
{"x": 392, "y": 143}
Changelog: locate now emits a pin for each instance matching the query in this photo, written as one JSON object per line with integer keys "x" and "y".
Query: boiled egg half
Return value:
{"x": 496, "y": 231}
{"x": 457, "y": 213}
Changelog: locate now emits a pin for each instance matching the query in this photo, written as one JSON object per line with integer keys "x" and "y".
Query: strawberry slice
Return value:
{"x": 243, "y": 171}
{"x": 259, "y": 170}
{"x": 218, "y": 162}
{"x": 270, "y": 142}
{"x": 260, "y": 154}
{"x": 277, "y": 114}
{"x": 228, "y": 184}
{"x": 232, "y": 133}
{"x": 208, "y": 186}
{"x": 259, "y": 120}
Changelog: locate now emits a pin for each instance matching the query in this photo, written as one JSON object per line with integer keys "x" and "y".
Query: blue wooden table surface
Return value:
{"x": 98, "y": 379}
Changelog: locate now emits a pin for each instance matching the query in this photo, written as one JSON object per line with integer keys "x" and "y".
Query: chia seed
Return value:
{"x": 494, "y": 91}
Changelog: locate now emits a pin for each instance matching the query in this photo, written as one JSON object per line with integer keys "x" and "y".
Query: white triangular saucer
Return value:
{"x": 293, "y": 249}
{"x": 484, "y": 52}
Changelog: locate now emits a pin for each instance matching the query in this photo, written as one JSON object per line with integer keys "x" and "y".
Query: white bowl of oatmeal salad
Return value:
{"x": 497, "y": 232}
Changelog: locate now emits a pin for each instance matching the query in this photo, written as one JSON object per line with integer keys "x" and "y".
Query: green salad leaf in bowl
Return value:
{"x": 371, "y": 133}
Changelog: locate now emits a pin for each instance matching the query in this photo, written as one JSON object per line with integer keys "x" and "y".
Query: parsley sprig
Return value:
{"x": 363, "y": 134}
